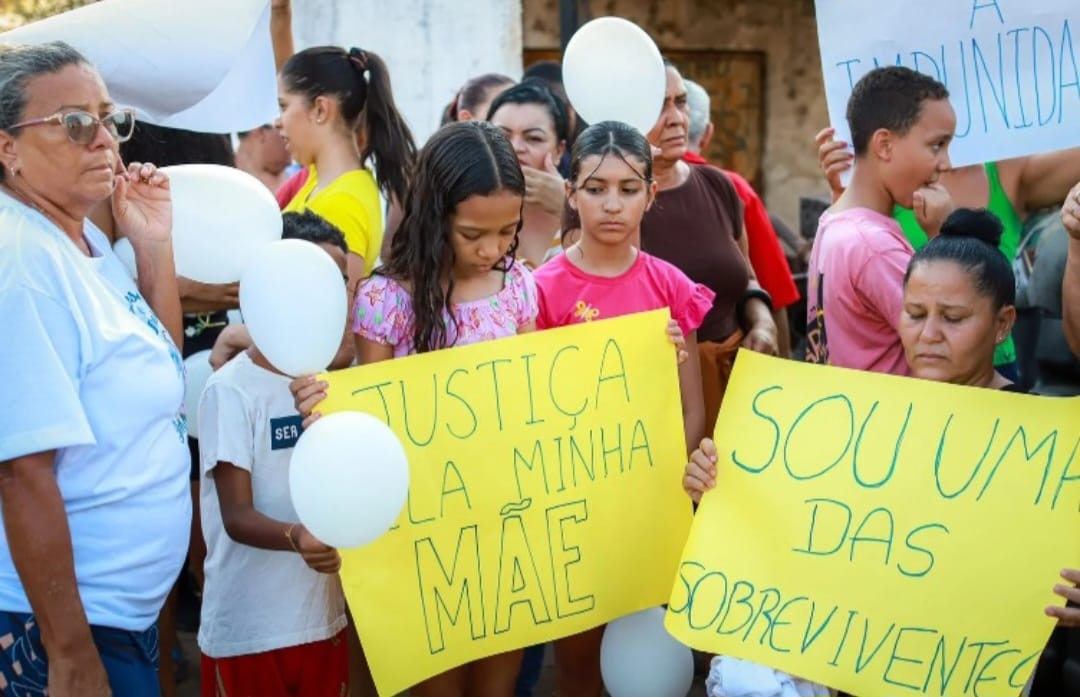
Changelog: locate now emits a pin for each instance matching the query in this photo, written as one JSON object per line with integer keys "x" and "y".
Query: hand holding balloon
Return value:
{"x": 348, "y": 478}
{"x": 308, "y": 391}
{"x": 317, "y": 555}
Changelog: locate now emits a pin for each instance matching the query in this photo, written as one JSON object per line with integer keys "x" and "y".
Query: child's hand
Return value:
{"x": 318, "y": 556}
{"x": 1070, "y": 212}
{"x": 701, "y": 470}
{"x": 932, "y": 205}
{"x": 677, "y": 337}
{"x": 1067, "y": 616}
{"x": 307, "y": 394}
{"x": 834, "y": 159}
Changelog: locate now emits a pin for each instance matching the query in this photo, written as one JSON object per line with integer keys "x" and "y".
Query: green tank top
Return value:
{"x": 1000, "y": 205}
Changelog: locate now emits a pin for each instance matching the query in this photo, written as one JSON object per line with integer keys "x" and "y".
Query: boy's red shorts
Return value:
{"x": 319, "y": 669}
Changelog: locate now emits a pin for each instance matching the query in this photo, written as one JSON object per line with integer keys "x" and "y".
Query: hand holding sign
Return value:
{"x": 348, "y": 478}
{"x": 613, "y": 72}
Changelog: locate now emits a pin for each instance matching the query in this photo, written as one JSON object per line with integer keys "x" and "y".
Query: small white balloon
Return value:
{"x": 348, "y": 477}
{"x": 197, "y": 370}
{"x": 638, "y": 658}
{"x": 293, "y": 300}
{"x": 126, "y": 254}
{"x": 222, "y": 217}
{"x": 613, "y": 71}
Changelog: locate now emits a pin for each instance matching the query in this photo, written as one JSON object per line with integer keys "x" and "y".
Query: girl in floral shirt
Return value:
{"x": 450, "y": 280}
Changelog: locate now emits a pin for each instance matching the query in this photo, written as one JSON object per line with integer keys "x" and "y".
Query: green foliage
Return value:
{"x": 14, "y": 13}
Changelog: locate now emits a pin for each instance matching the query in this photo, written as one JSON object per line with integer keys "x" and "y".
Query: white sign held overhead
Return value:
{"x": 1012, "y": 67}
{"x": 202, "y": 65}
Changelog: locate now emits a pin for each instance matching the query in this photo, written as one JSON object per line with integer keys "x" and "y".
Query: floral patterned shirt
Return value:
{"x": 383, "y": 312}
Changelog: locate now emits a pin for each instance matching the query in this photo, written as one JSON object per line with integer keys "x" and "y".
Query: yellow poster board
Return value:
{"x": 881, "y": 535}
{"x": 545, "y": 493}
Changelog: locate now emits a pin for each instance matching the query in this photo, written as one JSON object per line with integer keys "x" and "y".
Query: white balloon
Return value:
{"x": 197, "y": 370}
{"x": 348, "y": 478}
{"x": 638, "y": 658}
{"x": 222, "y": 216}
{"x": 126, "y": 253}
{"x": 613, "y": 71}
{"x": 293, "y": 300}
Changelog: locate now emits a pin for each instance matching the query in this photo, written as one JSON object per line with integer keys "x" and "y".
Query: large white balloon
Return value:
{"x": 348, "y": 477}
{"x": 638, "y": 658}
{"x": 613, "y": 71}
{"x": 198, "y": 371}
{"x": 293, "y": 300}
{"x": 221, "y": 218}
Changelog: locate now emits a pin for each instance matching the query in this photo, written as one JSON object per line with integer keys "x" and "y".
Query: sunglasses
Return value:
{"x": 82, "y": 127}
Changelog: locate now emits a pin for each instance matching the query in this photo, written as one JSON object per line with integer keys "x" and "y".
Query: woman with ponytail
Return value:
{"x": 328, "y": 96}
{"x": 473, "y": 100}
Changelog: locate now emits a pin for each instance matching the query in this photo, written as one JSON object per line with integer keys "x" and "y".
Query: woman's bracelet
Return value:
{"x": 751, "y": 294}
{"x": 289, "y": 537}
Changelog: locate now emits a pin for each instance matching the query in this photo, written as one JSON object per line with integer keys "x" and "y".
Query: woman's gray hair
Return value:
{"x": 19, "y": 65}
{"x": 697, "y": 98}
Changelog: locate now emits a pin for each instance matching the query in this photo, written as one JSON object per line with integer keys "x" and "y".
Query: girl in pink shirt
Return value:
{"x": 604, "y": 275}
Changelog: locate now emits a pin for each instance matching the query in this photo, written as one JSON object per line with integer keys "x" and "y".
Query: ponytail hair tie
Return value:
{"x": 360, "y": 60}
{"x": 455, "y": 106}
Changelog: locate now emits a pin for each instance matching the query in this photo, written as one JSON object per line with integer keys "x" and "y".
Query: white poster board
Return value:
{"x": 1012, "y": 67}
{"x": 431, "y": 48}
{"x": 202, "y": 65}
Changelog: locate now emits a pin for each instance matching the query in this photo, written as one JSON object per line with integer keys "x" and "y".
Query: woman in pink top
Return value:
{"x": 450, "y": 280}
{"x": 603, "y": 275}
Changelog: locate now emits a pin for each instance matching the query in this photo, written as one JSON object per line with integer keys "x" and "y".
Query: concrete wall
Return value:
{"x": 431, "y": 47}
{"x": 784, "y": 29}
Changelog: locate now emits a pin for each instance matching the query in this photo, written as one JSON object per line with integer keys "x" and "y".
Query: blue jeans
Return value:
{"x": 130, "y": 658}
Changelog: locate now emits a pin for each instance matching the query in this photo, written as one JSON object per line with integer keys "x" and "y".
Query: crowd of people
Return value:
{"x": 515, "y": 216}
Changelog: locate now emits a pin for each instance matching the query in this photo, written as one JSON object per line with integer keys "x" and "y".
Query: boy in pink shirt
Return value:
{"x": 901, "y": 126}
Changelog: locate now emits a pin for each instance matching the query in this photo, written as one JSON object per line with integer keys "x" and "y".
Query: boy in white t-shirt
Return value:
{"x": 273, "y": 612}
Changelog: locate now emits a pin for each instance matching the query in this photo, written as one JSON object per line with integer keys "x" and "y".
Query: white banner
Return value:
{"x": 202, "y": 65}
{"x": 1012, "y": 67}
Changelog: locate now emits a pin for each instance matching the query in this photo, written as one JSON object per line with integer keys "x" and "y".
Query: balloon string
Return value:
{"x": 202, "y": 323}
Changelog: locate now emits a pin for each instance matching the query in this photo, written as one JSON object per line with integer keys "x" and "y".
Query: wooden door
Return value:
{"x": 735, "y": 81}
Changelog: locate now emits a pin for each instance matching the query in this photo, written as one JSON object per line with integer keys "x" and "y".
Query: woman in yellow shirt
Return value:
{"x": 327, "y": 95}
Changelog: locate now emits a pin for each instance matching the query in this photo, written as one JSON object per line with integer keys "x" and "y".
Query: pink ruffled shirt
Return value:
{"x": 569, "y": 295}
{"x": 383, "y": 312}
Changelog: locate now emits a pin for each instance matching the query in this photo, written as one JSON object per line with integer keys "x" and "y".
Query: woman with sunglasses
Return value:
{"x": 93, "y": 453}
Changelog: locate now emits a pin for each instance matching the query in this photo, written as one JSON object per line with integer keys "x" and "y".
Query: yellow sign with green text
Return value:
{"x": 881, "y": 535}
{"x": 545, "y": 493}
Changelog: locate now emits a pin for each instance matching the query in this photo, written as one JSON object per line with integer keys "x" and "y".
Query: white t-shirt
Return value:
{"x": 88, "y": 371}
{"x": 256, "y": 600}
